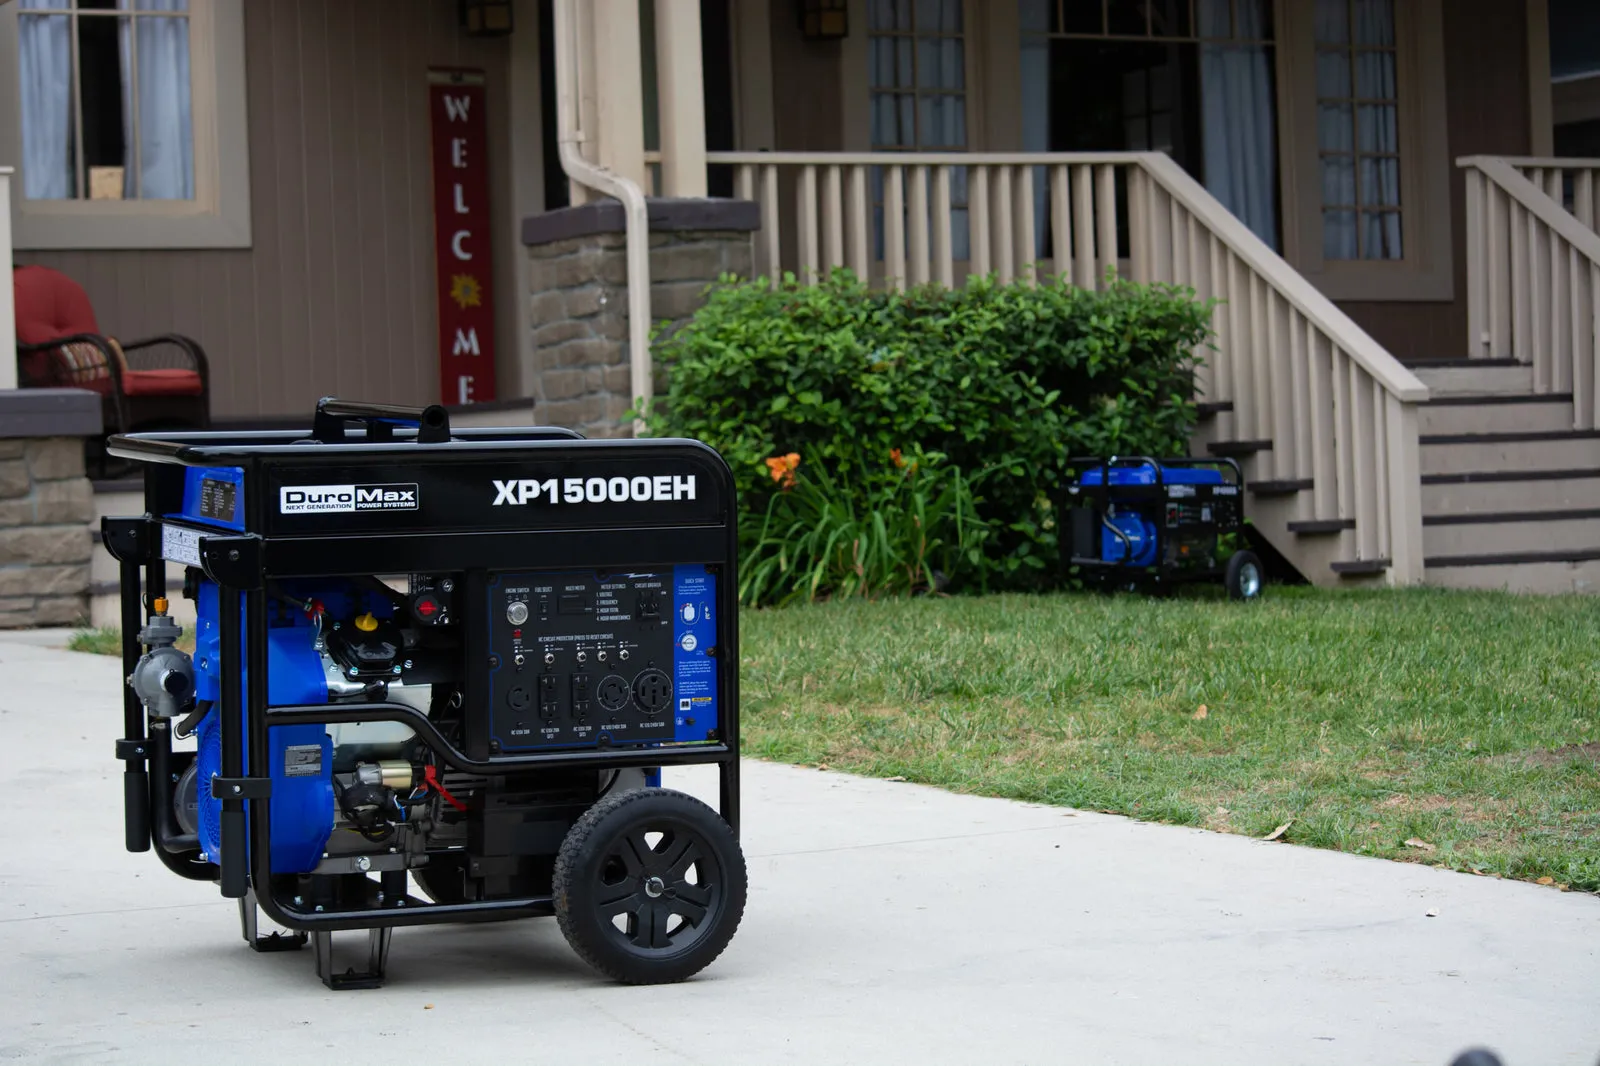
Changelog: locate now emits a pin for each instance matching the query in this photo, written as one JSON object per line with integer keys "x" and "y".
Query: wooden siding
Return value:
{"x": 1486, "y": 99}
{"x": 336, "y": 297}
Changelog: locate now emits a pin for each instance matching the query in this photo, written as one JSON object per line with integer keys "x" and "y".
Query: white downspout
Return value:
{"x": 579, "y": 169}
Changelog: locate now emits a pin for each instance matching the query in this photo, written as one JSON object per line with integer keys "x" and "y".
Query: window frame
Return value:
{"x": 1426, "y": 269}
{"x": 219, "y": 214}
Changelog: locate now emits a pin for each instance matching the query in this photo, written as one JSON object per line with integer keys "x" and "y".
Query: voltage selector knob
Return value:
{"x": 516, "y": 612}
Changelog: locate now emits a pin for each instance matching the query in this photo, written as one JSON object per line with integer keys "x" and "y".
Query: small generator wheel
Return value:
{"x": 1246, "y": 577}
{"x": 649, "y": 886}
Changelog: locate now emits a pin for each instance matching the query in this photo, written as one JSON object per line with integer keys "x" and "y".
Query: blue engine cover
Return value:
{"x": 1139, "y": 549}
{"x": 300, "y": 757}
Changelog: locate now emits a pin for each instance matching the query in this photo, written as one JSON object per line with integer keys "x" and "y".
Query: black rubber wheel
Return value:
{"x": 1246, "y": 577}
{"x": 649, "y": 886}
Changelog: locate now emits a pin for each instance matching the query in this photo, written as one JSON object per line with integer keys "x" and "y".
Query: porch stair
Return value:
{"x": 1510, "y": 490}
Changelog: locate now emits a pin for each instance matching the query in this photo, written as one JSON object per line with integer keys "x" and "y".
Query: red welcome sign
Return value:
{"x": 463, "y": 252}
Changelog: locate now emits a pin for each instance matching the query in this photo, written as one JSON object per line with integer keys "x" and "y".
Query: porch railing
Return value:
{"x": 1533, "y": 282}
{"x": 1327, "y": 415}
{"x": 1572, "y": 183}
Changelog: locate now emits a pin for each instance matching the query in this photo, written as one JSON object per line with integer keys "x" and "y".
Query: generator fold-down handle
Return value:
{"x": 432, "y": 421}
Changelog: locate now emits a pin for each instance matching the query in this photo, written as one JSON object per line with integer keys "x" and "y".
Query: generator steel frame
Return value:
{"x": 242, "y": 563}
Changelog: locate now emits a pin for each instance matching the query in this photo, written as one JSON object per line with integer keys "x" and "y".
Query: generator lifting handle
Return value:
{"x": 432, "y": 421}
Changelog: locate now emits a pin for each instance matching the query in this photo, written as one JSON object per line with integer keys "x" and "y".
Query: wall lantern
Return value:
{"x": 485, "y": 18}
{"x": 824, "y": 20}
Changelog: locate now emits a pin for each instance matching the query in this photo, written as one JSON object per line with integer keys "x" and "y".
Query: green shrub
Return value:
{"x": 1004, "y": 380}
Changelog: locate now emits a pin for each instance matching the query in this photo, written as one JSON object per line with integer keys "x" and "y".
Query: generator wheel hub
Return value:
{"x": 654, "y": 887}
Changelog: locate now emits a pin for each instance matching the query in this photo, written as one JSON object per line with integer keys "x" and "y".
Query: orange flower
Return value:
{"x": 782, "y": 468}
{"x": 894, "y": 456}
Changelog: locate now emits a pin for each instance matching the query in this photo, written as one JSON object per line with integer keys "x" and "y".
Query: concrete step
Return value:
{"x": 1493, "y": 534}
{"x": 1529, "y": 451}
{"x": 1499, "y": 491}
{"x": 1551, "y": 573}
{"x": 1550, "y": 413}
{"x": 1481, "y": 378}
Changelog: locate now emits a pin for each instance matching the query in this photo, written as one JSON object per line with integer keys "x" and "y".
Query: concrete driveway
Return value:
{"x": 887, "y": 923}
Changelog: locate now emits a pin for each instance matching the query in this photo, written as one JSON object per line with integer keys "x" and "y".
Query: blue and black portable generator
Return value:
{"x": 1136, "y": 522}
{"x": 450, "y": 660}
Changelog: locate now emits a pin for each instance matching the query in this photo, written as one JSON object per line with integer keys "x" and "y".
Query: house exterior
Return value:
{"x": 1369, "y": 185}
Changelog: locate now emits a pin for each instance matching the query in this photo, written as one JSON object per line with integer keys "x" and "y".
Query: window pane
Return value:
{"x": 1333, "y": 75}
{"x": 1171, "y": 18}
{"x": 1216, "y": 18}
{"x": 1255, "y": 20}
{"x": 1375, "y": 75}
{"x": 1339, "y": 180}
{"x": 158, "y": 5}
{"x": 1380, "y": 235}
{"x": 1036, "y": 15}
{"x": 880, "y": 14}
{"x": 940, "y": 63}
{"x": 166, "y": 135}
{"x": 1334, "y": 128}
{"x": 1338, "y": 234}
{"x": 880, "y": 62}
{"x": 904, "y": 72}
{"x": 1081, "y": 16}
{"x": 1161, "y": 133}
{"x": 1377, "y": 129}
{"x": 45, "y": 43}
{"x": 1374, "y": 21}
{"x": 1126, "y": 17}
{"x": 906, "y": 110}
{"x": 938, "y": 16}
{"x": 944, "y": 122}
{"x": 107, "y": 117}
{"x": 1333, "y": 22}
{"x": 885, "y": 132}
{"x": 902, "y": 15}
{"x": 1380, "y": 183}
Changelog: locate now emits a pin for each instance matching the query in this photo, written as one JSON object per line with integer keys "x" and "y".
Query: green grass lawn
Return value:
{"x": 1451, "y": 728}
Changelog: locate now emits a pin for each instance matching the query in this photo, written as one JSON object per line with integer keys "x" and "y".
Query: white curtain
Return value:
{"x": 1239, "y": 138}
{"x": 46, "y": 68}
{"x": 166, "y": 131}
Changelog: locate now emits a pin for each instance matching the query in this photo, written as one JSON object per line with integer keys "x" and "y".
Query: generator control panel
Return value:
{"x": 602, "y": 658}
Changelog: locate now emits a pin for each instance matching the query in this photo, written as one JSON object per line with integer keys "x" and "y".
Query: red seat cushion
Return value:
{"x": 50, "y": 305}
{"x": 161, "y": 383}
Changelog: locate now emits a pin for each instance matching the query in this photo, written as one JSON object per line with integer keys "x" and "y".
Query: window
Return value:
{"x": 131, "y": 127}
{"x": 916, "y": 65}
{"x": 917, "y": 80}
{"x": 1358, "y": 129}
{"x": 106, "y": 100}
{"x": 1191, "y": 78}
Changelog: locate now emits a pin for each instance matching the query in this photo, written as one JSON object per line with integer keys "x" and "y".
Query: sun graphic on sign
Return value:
{"x": 465, "y": 291}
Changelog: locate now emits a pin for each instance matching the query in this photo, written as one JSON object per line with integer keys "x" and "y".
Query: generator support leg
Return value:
{"x": 253, "y": 937}
{"x": 377, "y": 960}
{"x": 135, "y": 777}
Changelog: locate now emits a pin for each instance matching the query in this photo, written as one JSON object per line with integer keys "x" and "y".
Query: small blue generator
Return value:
{"x": 1135, "y": 522}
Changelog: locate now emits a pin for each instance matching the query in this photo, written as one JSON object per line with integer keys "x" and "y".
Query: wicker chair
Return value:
{"x": 157, "y": 383}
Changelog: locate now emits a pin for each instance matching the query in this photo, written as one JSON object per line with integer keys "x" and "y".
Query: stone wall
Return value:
{"x": 46, "y": 506}
{"x": 578, "y": 282}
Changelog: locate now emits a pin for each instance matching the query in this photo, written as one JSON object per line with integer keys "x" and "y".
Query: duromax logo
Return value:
{"x": 343, "y": 499}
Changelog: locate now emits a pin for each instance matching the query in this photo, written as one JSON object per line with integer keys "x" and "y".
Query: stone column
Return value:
{"x": 578, "y": 288}
{"x": 46, "y": 506}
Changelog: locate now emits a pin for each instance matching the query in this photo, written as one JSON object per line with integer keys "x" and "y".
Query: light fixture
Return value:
{"x": 824, "y": 20}
{"x": 485, "y": 18}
